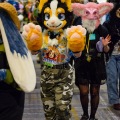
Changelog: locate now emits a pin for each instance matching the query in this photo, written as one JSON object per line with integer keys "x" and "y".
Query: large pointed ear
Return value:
{"x": 78, "y": 9}
{"x": 41, "y": 4}
{"x": 68, "y": 3}
{"x": 105, "y": 8}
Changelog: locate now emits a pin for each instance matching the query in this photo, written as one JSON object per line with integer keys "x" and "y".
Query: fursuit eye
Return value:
{"x": 47, "y": 16}
{"x": 87, "y": 12}
{"x": 94, "y": 13}
{"x": 61, "y": 16}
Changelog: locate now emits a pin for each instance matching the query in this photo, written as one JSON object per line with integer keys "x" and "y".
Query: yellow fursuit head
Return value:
{"x": 42, "y": 2}
{"x": 55, "y": 18}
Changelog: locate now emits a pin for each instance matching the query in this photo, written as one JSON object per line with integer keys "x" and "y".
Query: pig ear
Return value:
{"x": 104, "y": 8}
{"x": 78, "y": 9}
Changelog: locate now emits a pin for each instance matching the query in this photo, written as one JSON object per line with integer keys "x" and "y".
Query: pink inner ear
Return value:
{"x": 78, "y": 9}
{"x": 105, "y": 8}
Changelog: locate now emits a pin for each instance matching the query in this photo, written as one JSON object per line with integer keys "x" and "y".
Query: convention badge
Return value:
{"x": 118, "y": 13}
{"x": 92, "y": 37}
{"x": 88, "y": 58}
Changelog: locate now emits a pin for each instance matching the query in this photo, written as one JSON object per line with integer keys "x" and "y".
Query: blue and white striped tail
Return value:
{"x": 19, "y": 58}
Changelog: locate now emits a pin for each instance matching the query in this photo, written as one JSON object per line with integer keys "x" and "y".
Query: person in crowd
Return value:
{"x": 54, "y": 36}
{"x": 14, "y": 3}
{"x": 76, "y": 21}
{"x": 113, "y": 57}
{"x": 14, "y": 60}
{"x": 28, "y": 7}
{"x": 90, "y": 64}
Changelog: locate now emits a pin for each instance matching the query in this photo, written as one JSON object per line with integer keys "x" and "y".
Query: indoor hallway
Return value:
{"x": 34, "y": 110}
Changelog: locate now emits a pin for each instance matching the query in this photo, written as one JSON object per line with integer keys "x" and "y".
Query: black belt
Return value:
{"x": 60, "y": 66}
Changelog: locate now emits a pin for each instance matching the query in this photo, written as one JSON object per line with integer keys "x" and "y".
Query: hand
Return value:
{"x": 31, "y": 28}
{"x": 106, "y": 41}
{"x": 3, "y": 74}
{"x": 33, "y": 35}
{"x": 103, "y": 43}
{"x": 76, "y": 38}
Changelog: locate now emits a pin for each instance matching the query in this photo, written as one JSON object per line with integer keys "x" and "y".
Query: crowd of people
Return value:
{"x": 60, "y": 31}
{"x": 25, "y": 8}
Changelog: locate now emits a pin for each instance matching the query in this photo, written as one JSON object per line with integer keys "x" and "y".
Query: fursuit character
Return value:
{"x": 90, "y": 69}
{"x": 53, "y": 37}
{"x": 17, "y": 73}
{"x": 113, "y": 55}
{"x": 12, "y": 45}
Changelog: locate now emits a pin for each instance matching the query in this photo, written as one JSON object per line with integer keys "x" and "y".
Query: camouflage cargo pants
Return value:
{"x": 57, "y": 92}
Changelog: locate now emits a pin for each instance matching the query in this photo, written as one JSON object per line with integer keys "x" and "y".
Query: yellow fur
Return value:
{"x": 68, "y": 3}
{"x": 36, "y": 44}
{"x": 41, "y": 4}
{"x": 76, "y": 44}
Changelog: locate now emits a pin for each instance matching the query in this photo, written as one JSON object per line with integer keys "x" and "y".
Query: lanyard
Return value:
{"x": 87, "y": 48}
{"x": 88, "y": 44}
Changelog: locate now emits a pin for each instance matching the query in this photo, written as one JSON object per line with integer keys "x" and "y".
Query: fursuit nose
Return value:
{"x": 53, "y": 22}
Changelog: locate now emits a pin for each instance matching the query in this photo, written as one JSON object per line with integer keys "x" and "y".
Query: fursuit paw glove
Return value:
{"x": 33, "y": 35}
{"x": 99, "y": 45}
{"x": 76, "y": 38}
{"x": 3, "y": 74}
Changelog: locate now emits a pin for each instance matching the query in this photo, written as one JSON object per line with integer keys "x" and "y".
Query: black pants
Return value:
{"x": 11, "y": 103}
